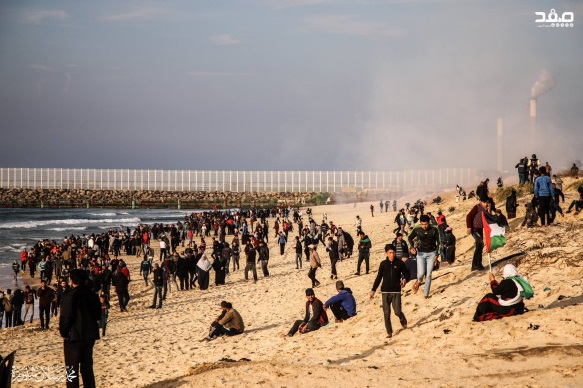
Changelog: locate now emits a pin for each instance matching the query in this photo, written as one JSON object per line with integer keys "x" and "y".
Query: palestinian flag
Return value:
{"x": 493, "y": 234}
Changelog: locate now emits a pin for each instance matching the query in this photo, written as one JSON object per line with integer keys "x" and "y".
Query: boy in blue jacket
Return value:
{"x": 343, "y": 304}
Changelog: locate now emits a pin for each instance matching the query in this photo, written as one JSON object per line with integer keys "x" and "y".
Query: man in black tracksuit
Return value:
{"x": 393, "y": 273}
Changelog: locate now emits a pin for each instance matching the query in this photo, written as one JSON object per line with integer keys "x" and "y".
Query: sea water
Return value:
{"x": 20, "y": 228}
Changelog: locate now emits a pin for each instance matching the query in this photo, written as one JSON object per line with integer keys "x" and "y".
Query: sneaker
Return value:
{"x": 339, "y": 320}
{"x": 390, "y": 335}
{"x": 357, "y": 274}
{"x": 152, "y": 307}
{"x": 403, "y": 321}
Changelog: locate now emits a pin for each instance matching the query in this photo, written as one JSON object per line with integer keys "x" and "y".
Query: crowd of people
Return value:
{"x": 421, "y": 242}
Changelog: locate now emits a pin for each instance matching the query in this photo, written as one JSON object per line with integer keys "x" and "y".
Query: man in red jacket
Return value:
{"x": 315, "y": 317}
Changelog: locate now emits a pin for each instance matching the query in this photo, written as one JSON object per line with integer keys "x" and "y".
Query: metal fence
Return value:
{"x": 238, "y": 181}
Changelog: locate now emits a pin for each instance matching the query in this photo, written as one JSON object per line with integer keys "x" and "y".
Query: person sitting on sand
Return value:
{"x": 505, "y": 299}
{"x": 229, "y": 323}
{"x": 343, "y": 304}
{"x": 315, "y": 317}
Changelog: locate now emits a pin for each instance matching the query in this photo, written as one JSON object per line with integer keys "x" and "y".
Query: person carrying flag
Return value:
{"x": 475, "y": 227}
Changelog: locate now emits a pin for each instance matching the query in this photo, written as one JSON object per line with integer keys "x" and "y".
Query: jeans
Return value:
{"x": 264, "y": 267}
{"x": 312, "y": 275}
{"x": 251, "y": 267}
{"x": 479, "y": 239}
{"x": 311, "y": 326}
{"x": 555, "y": 207}
{"x": 333, "y": 266}
{"x": 298, "y": 260}
{"x": 235, "y": 262}
{"x": 281, "y": 249}
{"x": 45, "y": 316}
{"x": 145, "y": 274}
{"x": 227, "y": 265}
{"x": 79, "y": 358}
{"x": 393, "y": 299}
{"x": 157, "y": 295}
{"x": 425, "y": 262}
{"x": 521, "y": 178}
{"x": 28, "y": 306}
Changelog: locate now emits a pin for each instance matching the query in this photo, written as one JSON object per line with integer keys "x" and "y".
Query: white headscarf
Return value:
{"x": 510, "y": 270}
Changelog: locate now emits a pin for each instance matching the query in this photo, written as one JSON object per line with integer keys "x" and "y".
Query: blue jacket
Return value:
{"x": 345, "y": 299}
{"x": 543, "y": 187}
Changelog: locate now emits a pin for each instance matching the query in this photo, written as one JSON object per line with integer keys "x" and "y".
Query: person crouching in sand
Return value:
{"x": 505, "y": 300}
{"x": 315, "y": 317}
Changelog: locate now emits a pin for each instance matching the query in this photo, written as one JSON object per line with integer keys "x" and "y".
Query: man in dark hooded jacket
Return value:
{"x": 80, "y": 311}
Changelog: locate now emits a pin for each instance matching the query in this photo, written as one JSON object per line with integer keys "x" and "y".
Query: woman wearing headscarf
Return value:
{"x": 505, "y": 299}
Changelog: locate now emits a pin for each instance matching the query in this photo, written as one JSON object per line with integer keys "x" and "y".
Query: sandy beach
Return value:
{"x": 441, "y": 346}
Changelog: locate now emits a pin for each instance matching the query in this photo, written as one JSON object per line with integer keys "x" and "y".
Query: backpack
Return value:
{"x": 524, "y": 288}
{"x": 7, "y": 303}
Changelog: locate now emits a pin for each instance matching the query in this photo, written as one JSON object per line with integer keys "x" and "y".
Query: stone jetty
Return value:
{"x": 50, "y": 198}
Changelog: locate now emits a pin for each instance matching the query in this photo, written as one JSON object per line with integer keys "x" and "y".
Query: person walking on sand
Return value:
{"x": 78, "y": 326}
{"x": 427, "y": 251}
{"x": 45, "y": 296}
{"x": 315, "y": 263}
{"x": 250, "y": 254}
{"x": 29, "y": 297}
{"x": 394, "y": 275}
{"x": 263, "y": 258}
{"x": 158, "y": 285}
{"x": 299, "y": 251}
{"x": 332, "y": 249}
{"x": 315, "y": 317}
{"x": 364, "y": 246}
{"x": 16, "y": 269}
{"x": 145, "y": 269}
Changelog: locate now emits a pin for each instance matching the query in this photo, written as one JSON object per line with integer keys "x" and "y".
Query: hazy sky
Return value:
{"x": 285, "y": 84}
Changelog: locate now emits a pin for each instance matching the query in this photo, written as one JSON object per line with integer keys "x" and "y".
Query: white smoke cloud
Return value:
{"x": 544, "y": 83}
